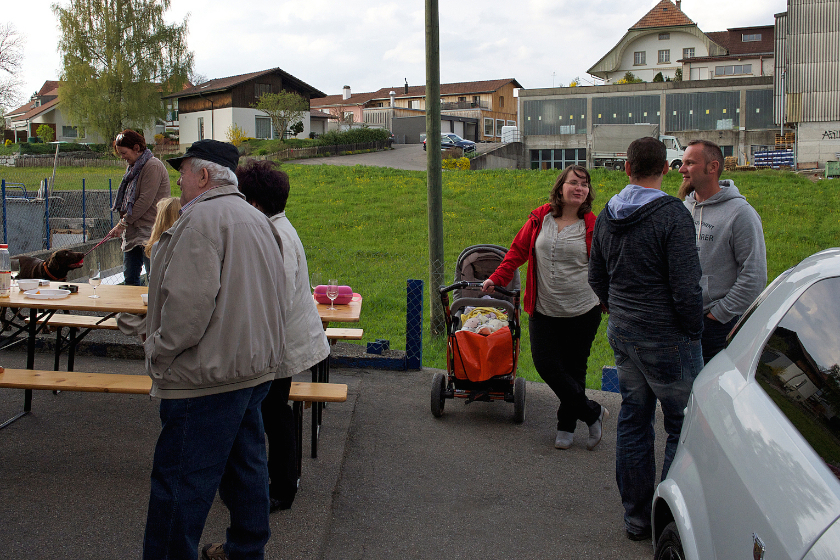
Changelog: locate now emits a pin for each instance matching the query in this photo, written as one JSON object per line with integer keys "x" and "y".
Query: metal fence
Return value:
{"x": 36, "y": 218}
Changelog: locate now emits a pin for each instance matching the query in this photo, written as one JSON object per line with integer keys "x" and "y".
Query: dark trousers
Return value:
{"x": 560, "y": 349}
{"x": 133, "y": 262}
{"x": 209, "y": 443}
{"x": 714, "y": 336}
{"x": 279, "y": 422}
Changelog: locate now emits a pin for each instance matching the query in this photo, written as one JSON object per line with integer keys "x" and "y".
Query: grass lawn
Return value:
{"x": 368, "y": 227}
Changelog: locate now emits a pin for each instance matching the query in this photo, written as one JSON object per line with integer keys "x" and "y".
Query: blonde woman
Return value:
{"x": 168, "y": 210}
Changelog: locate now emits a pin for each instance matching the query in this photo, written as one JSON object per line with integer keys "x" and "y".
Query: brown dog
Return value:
{"x": 54, "y": 268}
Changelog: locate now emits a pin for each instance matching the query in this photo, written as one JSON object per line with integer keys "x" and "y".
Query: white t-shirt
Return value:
{"x": 562, "y": 270}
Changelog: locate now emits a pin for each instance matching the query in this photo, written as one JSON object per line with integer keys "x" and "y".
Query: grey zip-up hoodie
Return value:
{"x": 730, "y": 242}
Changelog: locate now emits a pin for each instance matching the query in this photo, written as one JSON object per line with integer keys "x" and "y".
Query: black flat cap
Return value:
{"x": 223, "y": 153}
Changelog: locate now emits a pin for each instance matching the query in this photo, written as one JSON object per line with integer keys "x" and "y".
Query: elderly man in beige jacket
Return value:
{"x": 215, "y": 340}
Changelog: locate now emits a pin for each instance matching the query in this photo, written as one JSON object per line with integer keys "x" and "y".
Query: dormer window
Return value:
{"x": 750, "y": 38}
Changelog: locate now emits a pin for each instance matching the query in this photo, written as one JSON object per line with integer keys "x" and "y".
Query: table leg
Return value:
{"x": 297, "y": 408}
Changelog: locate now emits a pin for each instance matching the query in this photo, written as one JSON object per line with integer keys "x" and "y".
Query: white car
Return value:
{"x": 756, "y": 472}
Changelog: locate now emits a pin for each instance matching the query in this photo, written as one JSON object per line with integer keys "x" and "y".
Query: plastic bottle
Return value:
{"x": 5, "y": 271}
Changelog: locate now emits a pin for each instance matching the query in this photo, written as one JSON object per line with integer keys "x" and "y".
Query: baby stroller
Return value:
{"x": 481, "y": 366}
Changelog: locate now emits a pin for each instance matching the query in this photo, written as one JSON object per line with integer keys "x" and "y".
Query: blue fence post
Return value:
{"x": 3, "y": 194}
{"x": 84, "y": 214}
{"x": 414, "y": 324}
{"x": 47, "y": 214}
{"x": 110, "y": 203}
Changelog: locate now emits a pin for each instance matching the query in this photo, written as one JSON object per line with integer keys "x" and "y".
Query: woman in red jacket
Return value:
{"x": 564, "y": 312}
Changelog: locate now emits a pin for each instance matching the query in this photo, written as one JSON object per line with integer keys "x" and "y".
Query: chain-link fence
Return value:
{"x": 45, "y": 212}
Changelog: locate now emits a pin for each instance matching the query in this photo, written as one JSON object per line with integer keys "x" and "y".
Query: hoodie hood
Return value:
{"x": 630, "y": 200}
{"x": 727, "y": 192}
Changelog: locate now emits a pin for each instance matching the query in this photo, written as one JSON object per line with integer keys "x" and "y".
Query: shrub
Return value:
{"x": 50, "y": 149}
{"x": 460, "y": 163}
{"x": 159, "y": 138}
{"x": 354, "y": 136}
{"x": 8, "y": 142}
{"x": 45, "y": 133}
{"x": 235, "y": 135}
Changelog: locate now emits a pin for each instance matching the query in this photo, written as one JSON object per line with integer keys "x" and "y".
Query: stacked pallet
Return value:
{"x": 786, "y": 140}
{"x": 730, "y": 163}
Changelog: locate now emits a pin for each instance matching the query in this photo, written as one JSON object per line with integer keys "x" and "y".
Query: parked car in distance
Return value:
{"x": 452, "y": 140}
{"x": 757, "y": 469}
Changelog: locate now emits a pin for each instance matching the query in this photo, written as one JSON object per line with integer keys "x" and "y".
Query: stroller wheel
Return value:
{"x": 519, "y": 400}
{"x": 438, "y": 397}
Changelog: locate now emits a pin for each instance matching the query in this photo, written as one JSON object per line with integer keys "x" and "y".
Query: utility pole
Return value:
{"x": 434, "y": 175}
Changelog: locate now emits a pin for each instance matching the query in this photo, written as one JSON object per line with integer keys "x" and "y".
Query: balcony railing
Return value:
{"x": 456, "y": 105}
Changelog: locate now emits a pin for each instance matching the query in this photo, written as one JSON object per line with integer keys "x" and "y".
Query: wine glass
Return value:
{"x": 332, "y": 291}
{"x": 315, "y": 280}
{"x": 95, "y": 278}
{"x": 15, "y": 271}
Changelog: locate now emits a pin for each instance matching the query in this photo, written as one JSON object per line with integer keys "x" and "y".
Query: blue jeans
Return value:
{"x": 714, "y": 336}
{"x": 649, "y": 368}
{"x": 209, "y": 443}
{"x": 133, "y": 260}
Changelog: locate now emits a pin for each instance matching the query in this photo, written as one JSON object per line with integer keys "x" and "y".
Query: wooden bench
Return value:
{"x": 334, "y": 334}
{"x": 59, "y": 321}
{"x": 33, "y": 379}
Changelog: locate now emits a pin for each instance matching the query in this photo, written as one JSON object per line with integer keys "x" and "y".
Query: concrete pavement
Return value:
{"x": 391, "y": 481}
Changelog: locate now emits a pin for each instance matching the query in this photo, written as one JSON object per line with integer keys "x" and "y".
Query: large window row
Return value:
{"x": 557, "y": 159}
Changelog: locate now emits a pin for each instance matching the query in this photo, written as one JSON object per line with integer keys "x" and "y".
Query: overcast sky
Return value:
{"x": 371, "y": 44}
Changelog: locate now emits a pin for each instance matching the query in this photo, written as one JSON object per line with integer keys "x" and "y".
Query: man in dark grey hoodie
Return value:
{"x": 730, "y": 242}
{"x": 644, "y": 267}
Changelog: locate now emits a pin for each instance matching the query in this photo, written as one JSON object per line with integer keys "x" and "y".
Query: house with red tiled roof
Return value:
{"x": 44, "y": 108}
{"x": 208, "y": 110}
{"x": 474, "y": 110}
{"x": 665, "y": 40}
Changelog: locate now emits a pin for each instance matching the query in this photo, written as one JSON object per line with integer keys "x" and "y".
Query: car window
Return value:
{"x": 799, "y": 368}
{"x": 761, "y": 297}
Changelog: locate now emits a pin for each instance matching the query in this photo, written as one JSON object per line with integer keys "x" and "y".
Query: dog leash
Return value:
{"x": 106, "y": 238}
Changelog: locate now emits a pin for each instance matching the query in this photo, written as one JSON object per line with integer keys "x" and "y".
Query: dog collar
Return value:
{"x": 50, "y": 274}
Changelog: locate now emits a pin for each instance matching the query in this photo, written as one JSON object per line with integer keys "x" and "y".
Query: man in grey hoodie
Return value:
{"x": 730, "y": 242}
{"x": 644, "y": 267}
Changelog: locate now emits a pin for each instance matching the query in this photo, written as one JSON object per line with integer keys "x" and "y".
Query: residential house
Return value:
{"x": 44, "y": 108}
{"x": 749, "y": 52}
{"x": 474, "y": 110}
{"x": 666, "y": 40}
{"x": 208, "y": 110}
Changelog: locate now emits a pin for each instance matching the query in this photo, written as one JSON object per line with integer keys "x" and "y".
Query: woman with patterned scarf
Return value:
{"x": 146, "y": 181}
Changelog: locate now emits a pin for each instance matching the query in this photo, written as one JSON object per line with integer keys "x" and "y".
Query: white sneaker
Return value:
{"x": 595, "y": 429}
{"x": 563, "y": 439}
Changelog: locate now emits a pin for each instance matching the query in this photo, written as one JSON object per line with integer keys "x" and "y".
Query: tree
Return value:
{"x": 119, "y": 57}
{"x": 678, "y": 75}
{"x": 11, "y": 57}
{"x": 658, "y": 77}
{"x": 283, "y": 108}
{"x": 341, "y": 116}
{"x": 297, "y": 128}
{"x": 45, "y": 133}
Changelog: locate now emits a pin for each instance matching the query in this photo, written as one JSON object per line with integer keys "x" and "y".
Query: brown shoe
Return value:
{"x": 214, "y": 551}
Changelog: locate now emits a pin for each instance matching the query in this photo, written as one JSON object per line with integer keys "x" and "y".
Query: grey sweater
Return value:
{"x": 644, "y": 265}
{"x": 730, "y": 241}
